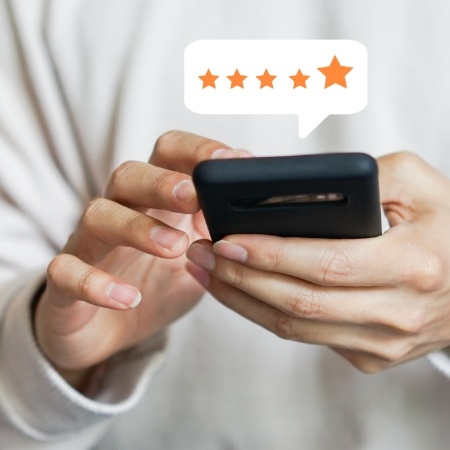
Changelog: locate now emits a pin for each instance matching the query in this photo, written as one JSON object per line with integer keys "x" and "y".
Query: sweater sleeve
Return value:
{"x": 47, "y": 174}
{"x": 441, "y": 361}
{"x": 38, "y": 409}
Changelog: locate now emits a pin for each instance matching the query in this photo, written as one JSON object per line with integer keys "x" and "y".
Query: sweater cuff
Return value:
{"x": 38, "y": 401}
{"x": 441, "y": 360}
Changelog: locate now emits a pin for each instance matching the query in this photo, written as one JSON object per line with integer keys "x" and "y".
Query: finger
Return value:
{"x": 181, "y": 151}
{"x": 327, "y": 262}
{"x": 200, "y": 225}
{"x": 371, "y": 363}
{"x": 381, "y": 344}
{"x": 293, "y": 296}
{"x": 403, "y": 313}
{"x": 71, "y": 280}
{"x": 105, "y": 224}
{"x": 140, "y": 184}
{"x": 76, "y": 295}
{"x": 243, "y": 153}
{"x": 364, "y": 362}
{"x": 395, "y": 258}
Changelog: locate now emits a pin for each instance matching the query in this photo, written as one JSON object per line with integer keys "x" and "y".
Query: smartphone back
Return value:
{"x": 332, "y": 195}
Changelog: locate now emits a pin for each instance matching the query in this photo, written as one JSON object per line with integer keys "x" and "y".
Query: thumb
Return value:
{"x": 409, "y": 187}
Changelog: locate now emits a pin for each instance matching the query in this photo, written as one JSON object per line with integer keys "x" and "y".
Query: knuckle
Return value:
{"x": 364, "y": 362}
{"x": 409, "y": 323}
{"x": 369, "y": 366}
{"x": 237, "y": 275}
{"x": 121, "y": 172}
{"x": 423, "y": 270}
{"x": 91, "y": 212}
{"x": 283, "y": 326}
{"x": 273, "y": 258}
{"x": 205, "y": 145}
{"x": 132, "y": 226}
{"x": 87, "y": 281}
{"x": 302, "y": 302}
{"x": 165, "y": 140}
{"x": 56, "y": 266}
{"x": 429, "y": 276}
{"x": 334, "y": 267}
{"x": 405, "y": 159}
{"x": 394, "y": 351}
{"x": 157, "y": 181}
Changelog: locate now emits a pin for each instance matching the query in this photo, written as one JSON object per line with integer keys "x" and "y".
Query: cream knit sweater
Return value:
{"x": 87, "y": 84}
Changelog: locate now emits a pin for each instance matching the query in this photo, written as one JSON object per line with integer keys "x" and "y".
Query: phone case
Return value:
{"x": 332, "y": 195}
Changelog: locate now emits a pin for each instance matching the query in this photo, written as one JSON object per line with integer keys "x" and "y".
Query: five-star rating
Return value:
{"x": 335, "y": 73}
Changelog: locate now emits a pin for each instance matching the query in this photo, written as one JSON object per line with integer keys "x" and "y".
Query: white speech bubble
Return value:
{"x": 311, "y": 100}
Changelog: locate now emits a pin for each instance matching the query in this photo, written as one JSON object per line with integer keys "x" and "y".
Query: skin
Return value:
{"x": 77, "y": 322}
{"x": 377, "y": 302}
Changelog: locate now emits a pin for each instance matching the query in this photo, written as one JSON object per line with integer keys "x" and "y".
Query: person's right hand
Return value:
{"x": 127, "y": 246}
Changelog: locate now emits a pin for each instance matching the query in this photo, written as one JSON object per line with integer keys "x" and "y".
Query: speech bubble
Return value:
{"x": 309, "y": 78}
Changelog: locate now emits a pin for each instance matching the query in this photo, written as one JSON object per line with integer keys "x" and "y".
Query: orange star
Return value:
{"x": 335, "y": 73}
{"x": 266, "y": 79}
{"x": 237, "y": 79}
{"x": 299, "y": 79}
{"x": 208, "y": 79}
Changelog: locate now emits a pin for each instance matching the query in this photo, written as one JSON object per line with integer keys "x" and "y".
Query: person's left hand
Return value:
{"x": 377, "y": 302}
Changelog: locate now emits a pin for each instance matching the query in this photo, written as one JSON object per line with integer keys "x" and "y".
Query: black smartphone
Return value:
{"x": 332, "y": 195}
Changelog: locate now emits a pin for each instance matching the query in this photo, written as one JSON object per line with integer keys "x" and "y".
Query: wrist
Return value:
{"x": 87, "y": 381}
{"x": 78, "y": 379}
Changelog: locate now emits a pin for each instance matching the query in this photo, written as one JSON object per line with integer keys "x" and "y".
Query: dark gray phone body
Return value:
{"x": 332, "y": 195}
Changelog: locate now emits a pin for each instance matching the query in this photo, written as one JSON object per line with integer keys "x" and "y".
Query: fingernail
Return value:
{"x": 199, "y": 274}
{"x": 230, "y": 251}
{"x": 184, "y": 190}
{"x": 125, "y": 295}
{"x": 225, "y": 154}
{"x": 202, "y": 256}
{"x": 167, "y": 237}
{"x": 244, "y": 153}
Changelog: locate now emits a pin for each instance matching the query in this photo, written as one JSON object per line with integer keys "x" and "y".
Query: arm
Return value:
{"x": 106, "y": 301}
{"x": 38, "y": 409}
{"x": 44, "y": 187}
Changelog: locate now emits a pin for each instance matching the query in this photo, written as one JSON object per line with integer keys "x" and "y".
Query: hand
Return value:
{"x": 121, "y": 252}
{"x": 377, "y": 302}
